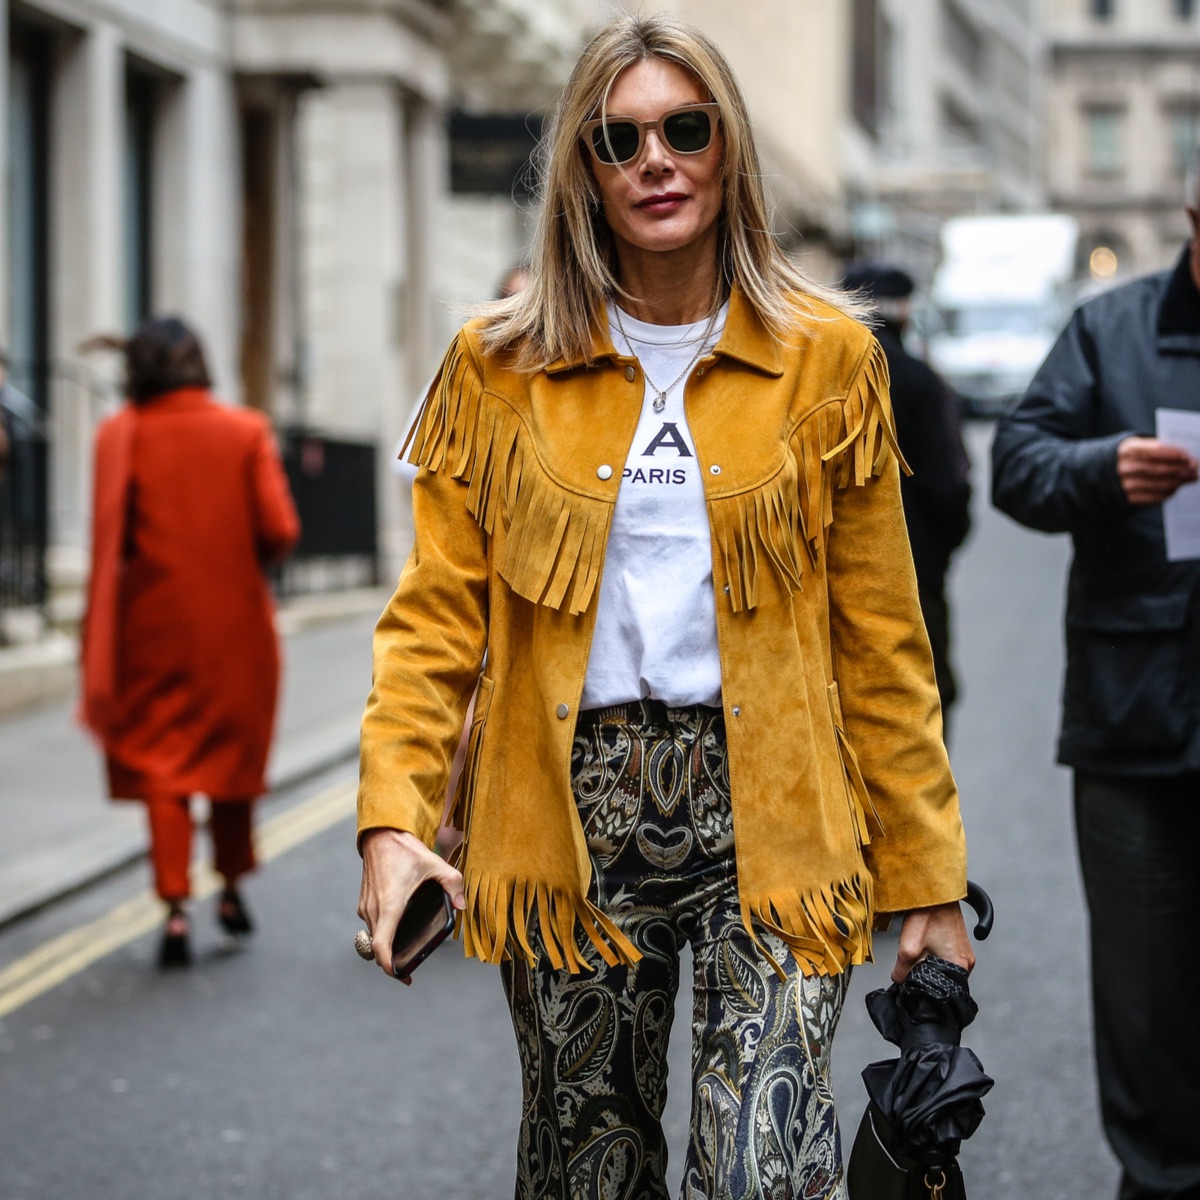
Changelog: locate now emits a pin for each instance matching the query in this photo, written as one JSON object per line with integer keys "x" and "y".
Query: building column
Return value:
{"x": 197, "y": 222}
{"x": 428, "y": 189}
{"x": 86, "y": 291}
{"x": 355, "y": 225}
{"x": 425, "y": 180}
{"x": 4, "y": 152}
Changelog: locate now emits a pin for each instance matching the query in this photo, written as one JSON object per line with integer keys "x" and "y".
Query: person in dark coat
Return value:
{"x": 937, "y": 495}
{"x": 180, "y": 658}
{"x": 1078, "y": 455}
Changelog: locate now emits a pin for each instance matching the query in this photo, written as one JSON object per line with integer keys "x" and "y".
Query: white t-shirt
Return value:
{"x": 656, "y": 624}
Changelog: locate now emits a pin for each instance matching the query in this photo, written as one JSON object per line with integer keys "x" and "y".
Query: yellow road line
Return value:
{"x": 71, "y": 952}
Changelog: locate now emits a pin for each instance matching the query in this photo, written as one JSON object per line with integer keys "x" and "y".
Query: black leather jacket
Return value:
{"x": 1131, "y": 700}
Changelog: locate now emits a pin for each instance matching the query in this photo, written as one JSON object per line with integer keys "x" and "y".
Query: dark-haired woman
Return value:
{"x": 659, "y": 490}
{"x": 180, "y": 661}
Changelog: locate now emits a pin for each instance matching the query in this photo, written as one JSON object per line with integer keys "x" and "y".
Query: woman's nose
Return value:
{"x": 656, "y": 154}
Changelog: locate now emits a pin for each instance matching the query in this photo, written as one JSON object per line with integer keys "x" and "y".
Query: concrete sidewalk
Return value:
{"x": 58, "y": 831}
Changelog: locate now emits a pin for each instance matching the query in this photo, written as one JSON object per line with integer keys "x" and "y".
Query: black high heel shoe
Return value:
{"x": 175, "y": 949}
{"x": 232, "y": 914}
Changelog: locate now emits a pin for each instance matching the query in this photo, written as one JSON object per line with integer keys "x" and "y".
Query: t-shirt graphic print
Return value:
{"x": 656, "y": 625}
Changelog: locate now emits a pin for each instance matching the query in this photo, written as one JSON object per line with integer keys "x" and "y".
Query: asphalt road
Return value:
{"x": 290, "y": 1070}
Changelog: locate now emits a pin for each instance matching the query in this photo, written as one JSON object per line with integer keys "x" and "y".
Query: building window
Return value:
{"x": 864, "y": 64}
{"x": 962, "y": 40}
{"x": 27, "y": 234}
{"x": 142, "y": 90}
{"x": 1184, "y": 9}
{"x": 1184, "y": 127}
{"x": 1103, "y": 10}
{"x": 961, "y": 134}
{"x": 1103, "y": 142}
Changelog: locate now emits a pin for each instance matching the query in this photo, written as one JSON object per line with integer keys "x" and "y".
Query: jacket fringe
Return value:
{"x": 555, "y": 537}
{"x": 827, "y": 929}
{"x": 496, "y": 924}
{"x": 867, "y": 822}
{"x": 846, "y": 442}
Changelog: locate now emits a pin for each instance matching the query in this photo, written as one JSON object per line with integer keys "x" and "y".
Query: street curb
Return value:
{"x": 47, "y": 670}
{"x": 305, "y": 767}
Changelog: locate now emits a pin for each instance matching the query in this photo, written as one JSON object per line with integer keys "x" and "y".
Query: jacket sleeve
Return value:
{"x": 930, "y": 437}
{"x": 428, "y": 651}
{"x": 276, "y": 525}
{"x": 889, "y": 700}
{"x": 1050, "y": 470}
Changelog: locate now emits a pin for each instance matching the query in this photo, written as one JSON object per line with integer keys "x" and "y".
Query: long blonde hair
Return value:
{"x": 573, "y": 263}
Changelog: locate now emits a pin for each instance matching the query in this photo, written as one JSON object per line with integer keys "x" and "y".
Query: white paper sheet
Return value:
{"x": 1181, "y": 513}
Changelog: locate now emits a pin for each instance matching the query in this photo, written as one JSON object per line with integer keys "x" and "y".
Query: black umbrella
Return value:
{"x": 926, "y": 1101}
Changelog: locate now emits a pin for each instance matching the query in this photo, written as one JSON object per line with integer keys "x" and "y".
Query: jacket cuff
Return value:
{"x": 1096, "y": 463}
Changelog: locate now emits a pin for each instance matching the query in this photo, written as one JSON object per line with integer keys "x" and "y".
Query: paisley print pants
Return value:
{"x": 652, "y": 786}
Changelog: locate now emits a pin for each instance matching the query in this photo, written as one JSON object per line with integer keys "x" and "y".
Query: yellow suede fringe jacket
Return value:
{"x": 844, "y": 806}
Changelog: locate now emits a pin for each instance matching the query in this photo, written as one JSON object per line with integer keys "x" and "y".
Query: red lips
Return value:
{"x": 661, "y": 198}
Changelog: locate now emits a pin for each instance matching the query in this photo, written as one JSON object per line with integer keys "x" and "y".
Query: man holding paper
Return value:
{"x": 1104, "y": 446}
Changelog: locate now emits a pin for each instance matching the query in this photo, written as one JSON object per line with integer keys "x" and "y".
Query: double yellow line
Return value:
{"x": 71, "y": 952}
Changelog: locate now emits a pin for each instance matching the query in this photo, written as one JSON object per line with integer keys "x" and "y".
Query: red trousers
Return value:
{"x": 171, "y": 842}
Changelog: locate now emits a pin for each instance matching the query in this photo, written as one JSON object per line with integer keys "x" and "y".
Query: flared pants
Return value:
{"x": 652, "y": 787}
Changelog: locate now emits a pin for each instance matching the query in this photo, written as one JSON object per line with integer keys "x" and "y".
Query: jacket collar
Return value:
{"x": 1178, "y": 326}
{"x": 188, "y": 399}
{"x": 745, "y": 338}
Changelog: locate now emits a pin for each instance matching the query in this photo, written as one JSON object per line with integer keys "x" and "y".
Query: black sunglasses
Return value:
{"x": 687, "y": 130}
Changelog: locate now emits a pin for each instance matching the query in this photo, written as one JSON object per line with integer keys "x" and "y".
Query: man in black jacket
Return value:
{"x": 1078, "y": 455}
{"x": 937, "y": 495}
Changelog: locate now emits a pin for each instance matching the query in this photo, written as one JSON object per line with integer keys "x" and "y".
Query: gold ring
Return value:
{"x": 362, "y": 945}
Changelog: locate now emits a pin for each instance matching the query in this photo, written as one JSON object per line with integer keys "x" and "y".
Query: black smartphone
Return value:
{"x": 424, "y": 924}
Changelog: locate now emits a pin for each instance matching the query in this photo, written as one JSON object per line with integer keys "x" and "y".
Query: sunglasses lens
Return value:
{"x": 688, "y": 132}
{"x": 616, "y": 142}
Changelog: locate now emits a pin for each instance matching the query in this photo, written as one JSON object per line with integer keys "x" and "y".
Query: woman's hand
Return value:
{"x": 395, "y": 864}
{"x": 939, "y": 930}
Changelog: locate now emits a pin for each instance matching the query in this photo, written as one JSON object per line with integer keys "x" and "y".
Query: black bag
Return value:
{"x": 876, "y": 1172}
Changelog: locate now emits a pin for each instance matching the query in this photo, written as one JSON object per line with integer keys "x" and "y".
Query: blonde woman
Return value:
{"x": 658, "y": 490}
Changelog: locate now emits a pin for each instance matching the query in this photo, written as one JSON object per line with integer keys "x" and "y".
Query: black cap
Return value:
{"x": 879, "y": 280}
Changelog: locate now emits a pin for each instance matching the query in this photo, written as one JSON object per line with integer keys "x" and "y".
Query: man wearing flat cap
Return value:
{"x": 937, "y": 496}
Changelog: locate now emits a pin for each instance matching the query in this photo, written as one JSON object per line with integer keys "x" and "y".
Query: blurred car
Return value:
{"x": 1001, "y": 294}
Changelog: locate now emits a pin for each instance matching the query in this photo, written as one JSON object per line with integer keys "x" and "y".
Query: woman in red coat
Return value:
{"x": 180, "y": 659}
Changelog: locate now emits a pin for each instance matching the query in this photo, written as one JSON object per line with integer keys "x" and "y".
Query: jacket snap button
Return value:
{"x": 727, "y": 589}
{"x": 562, "y": 711}
{"x": 714, "y": 469}
{"x": 737, "y": 710}
{"x": 604, "y": 471}
{"x": 630, "y": 373}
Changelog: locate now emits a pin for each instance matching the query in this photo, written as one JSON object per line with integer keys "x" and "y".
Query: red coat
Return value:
{"x": 180, "y": 660}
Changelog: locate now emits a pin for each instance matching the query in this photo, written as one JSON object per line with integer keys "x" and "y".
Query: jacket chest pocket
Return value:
{"x": 1130, "y": 673}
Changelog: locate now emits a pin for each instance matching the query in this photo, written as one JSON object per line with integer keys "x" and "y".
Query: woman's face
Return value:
{"x": 660, "y": 201}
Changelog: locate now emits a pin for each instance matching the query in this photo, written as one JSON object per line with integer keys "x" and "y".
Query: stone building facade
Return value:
{"x": 275, "y": 172}
{"x": 1124, "y": 109}
{"x": 946, "y": 118}
{"x": 317, "y": 185}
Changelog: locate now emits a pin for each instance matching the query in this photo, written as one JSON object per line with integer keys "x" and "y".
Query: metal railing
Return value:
{"x": 24, "y": 517}
{"x": 45, "y": 489}
{"x": 50, "y": 411}
{"x": 333, "y": 484}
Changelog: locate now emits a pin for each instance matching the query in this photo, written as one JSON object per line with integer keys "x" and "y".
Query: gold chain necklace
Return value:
{"x": 660, "y": 400}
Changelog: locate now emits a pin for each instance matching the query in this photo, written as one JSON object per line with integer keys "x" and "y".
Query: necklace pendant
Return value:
{"x": 660, "y": 403}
